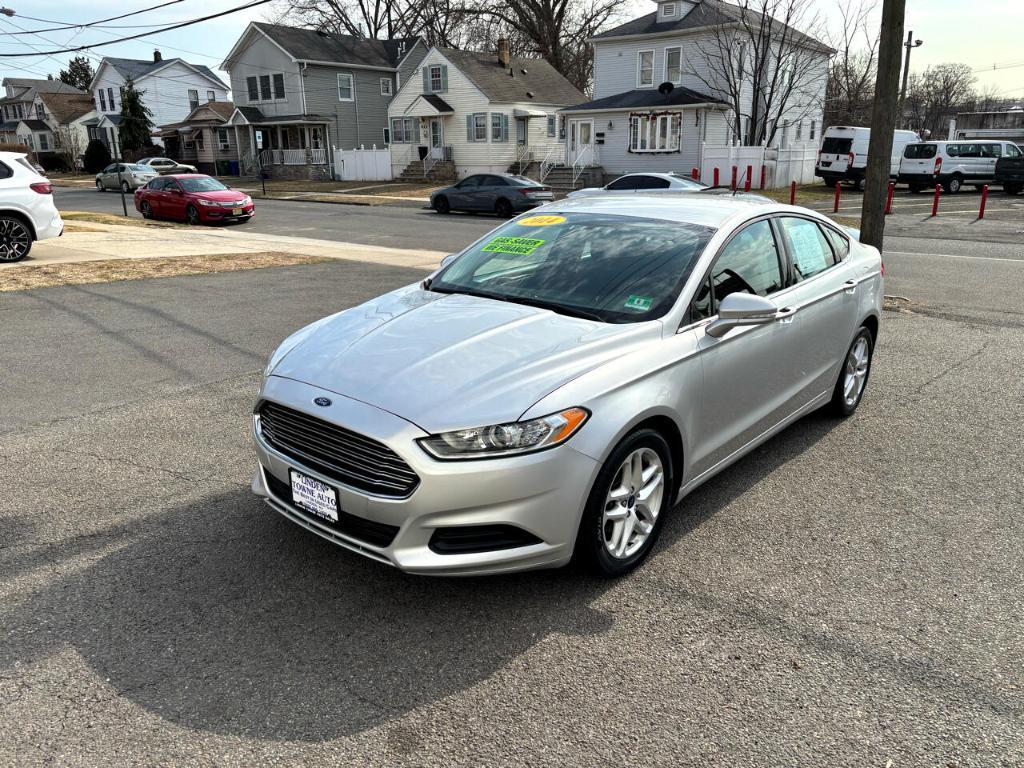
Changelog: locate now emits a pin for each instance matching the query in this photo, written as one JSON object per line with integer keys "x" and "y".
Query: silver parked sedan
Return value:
{"x": 127, "y": 176}
{"x": 554, "y": 389}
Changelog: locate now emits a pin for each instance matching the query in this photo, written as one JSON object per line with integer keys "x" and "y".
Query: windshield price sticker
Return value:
{"x": 520, "y": 246}
{"x": 541, "y": 221}
{"x": 640, "y": 303}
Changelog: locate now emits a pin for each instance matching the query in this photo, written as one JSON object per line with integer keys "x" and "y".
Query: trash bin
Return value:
{"x": 422, "y": 152}
{"x": 223, "y": 167}
{"x": 233, "y": 167}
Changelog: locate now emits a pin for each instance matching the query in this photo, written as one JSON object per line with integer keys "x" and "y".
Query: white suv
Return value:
{"x": 27, "y": 212}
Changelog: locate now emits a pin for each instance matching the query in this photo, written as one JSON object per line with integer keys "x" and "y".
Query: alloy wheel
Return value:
{"x": 633, "y": 502}
{"x": 192, "y": 215}
{"x": 147, "y": 212}
{"x": 15, "y": 240}
{"x": 856, "y": 371}
{"x": 125, "y": 188}
{"x": 99, "y": 186}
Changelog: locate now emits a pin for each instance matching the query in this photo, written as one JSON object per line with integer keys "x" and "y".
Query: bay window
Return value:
{"x": 655, "y": 132}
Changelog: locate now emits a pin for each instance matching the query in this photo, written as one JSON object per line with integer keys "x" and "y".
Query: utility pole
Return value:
{"x": 910, "y": 45}
{"x": 883, "y": 123}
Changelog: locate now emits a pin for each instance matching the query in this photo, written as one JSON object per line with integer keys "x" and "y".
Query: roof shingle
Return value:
{"x": 316, "y": 45}
{"x": 531, "y": 79}
{"x": 139, "y": 68}
{"x": 647, "y": 98}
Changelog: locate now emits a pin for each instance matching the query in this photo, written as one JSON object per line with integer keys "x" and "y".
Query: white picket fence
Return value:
{"x": 781, "y": 166}
{"x": 362, "y": 164}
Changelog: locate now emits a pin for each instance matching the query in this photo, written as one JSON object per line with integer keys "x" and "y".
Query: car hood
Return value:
{"x": 450, "y": 361}
{"x": 222, "y": 195}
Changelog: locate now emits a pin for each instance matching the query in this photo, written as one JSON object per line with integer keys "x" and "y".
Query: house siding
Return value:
{"x": 260, "y": 56}
{"x": 352, "y": 123}
{"x": 409, "y": 66}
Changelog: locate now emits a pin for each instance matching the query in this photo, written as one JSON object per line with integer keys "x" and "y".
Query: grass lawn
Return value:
{"x": 808, "y": 193}
{"x": 111, "y": 218}
{"x": 26, "y": 276}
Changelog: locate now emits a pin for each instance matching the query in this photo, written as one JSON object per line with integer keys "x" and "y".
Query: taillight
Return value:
{"x": 850, "y": 158}
{"x": 938, "y": 165}
{"x": 42, "y": 187}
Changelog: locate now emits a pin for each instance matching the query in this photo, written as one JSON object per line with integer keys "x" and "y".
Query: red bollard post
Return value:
{"x": 763, "y": 169}
{"x": 935, "y": 202}
{"x": 888, "y": 200}
{"x": 734, "y": 178}
{"x": 695, "y": 174}
{"x": 835, "y": 204}
{"x": 750, "y": 176}
{"x": 716, "y": 177}
{"x": 984, "y": 200}
{"x": 792, "y": 193}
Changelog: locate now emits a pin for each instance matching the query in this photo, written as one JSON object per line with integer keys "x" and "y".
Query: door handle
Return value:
{"x": 850, "y": 286}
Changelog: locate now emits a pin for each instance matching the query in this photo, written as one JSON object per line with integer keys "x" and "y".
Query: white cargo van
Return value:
{"x": 952, "y": 163}
{"x": 844, "y": 154}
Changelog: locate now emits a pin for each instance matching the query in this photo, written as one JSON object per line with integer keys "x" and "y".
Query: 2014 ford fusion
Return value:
{"x": 553, "y": 390}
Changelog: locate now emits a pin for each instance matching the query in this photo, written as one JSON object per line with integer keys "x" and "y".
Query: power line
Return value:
{"x": 141, "y": 34}
{"x": 67, "y": 25}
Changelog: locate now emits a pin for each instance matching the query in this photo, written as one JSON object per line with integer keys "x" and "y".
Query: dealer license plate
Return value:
{"x": 314, "y": 496}
{"x": 236, "y": 211}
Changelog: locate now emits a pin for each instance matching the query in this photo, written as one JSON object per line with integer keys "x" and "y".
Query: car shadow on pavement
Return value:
{"x": 219, "y": 615}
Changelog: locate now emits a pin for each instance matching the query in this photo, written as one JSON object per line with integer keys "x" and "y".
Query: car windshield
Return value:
{"x": 615, "y": 269}
{"x": 919, "y": 151}
{"x": 201, "y": 184}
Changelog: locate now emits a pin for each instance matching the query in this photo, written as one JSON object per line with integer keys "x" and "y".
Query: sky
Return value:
{"x": 984, "y": 34}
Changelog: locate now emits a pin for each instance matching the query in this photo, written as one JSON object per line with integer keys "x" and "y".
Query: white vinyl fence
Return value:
{"x": 781, "y": 166}
{"x": 362, "y": 164}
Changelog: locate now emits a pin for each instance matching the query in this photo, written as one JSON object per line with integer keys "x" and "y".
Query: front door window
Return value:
{"x": 436, "y": 138}
{"x": 521, "y": 132}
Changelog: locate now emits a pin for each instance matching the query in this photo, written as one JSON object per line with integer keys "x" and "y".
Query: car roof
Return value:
{"x": 684, "y": 207}
{"x": 187, "y": 176}
{"x": 6, "y": 155}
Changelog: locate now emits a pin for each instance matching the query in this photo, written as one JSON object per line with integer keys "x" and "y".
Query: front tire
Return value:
{"x": 146, "y": 210}
{"x": 626, "y": 507}
{"x": 441, "y": 204}
{"x": 858, "y": 184}
{"x": 15, "y": 239}
{"x": 853, "y": 376}
{"x": 1012, "y": 189}
{"x": 125, "y": 188}
{"x": 99, "y": 186}
{"x": 192, "y": 215}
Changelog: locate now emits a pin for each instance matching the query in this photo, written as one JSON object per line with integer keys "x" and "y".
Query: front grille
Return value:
{"x": 336, "y": 452}
{"x": 479, "y": 538}
{"x": 369, "y": 531}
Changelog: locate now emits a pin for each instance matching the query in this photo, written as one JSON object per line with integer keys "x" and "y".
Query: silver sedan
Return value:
{"x": 127, "y": 176}
{"x": 645, "y": 182}
{"x": 555, "y": 388}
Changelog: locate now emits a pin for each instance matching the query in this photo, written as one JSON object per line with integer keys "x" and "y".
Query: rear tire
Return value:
{"x": 853, "y": 375}
{"x": 503, "y": 208}
{"x": 915, "y": 189}
{"x": 830, "y": 182}
{"x": 858, "y": 184}
{"x": 125, "y": 188}
{"x": 15, "y": 239}
{"x": 953, "y": 184}
{"x": 625, "y": 512}
{"x": 1012, "y": 189}
{"x": 99, "y": 186}
{"x": 441, "y": 204}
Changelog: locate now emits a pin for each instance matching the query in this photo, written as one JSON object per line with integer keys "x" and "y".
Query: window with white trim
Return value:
{"x": 222, "y": 139}
{"x": 403, "y": 130}
{"x": 265, "y": 93}
{"x": 800, "y": 130}
{"x": 278, "y": 79}
{"x": 674, "y": 65}
{"x": 345, "y": 88}
{"x": 479, "y": 124}
{"x": 645, "y": 68}
{"x": 211, "y": 96}
{"x": 655, "y": 132}
{"x": 436, "y": 79}
{"x": 103, "y": 103}
{"x": 200, "y": 144}
{"x": 385, "y": 86}
{"x": 44, "y": 144}
{"x": 193, "y": 98}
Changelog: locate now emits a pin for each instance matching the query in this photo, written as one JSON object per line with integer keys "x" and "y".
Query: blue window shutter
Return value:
{"x": 426, "y": 79}
{"x": 444, "y": 78}
{"x": 469, "y": 128}
{"x": 504, "y": 127}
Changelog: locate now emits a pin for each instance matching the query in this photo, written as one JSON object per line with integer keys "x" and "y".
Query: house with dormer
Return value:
{"x": 661, "y": 90}
{"x": 299, "y": 92}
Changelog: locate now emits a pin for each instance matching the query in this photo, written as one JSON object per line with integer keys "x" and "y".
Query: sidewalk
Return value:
{"x": 100, "y": 242}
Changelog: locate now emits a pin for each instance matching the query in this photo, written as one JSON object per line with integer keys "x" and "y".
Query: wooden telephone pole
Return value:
{"x": 883, "y": 123}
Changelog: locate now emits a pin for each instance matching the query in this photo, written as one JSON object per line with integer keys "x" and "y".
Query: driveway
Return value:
{"x": 849, "y": 594}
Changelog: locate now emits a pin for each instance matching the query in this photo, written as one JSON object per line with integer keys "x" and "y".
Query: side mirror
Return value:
{"x": 739, "y": 309}
{"x": 448, "y": 259}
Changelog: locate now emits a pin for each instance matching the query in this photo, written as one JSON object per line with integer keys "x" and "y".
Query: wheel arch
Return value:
{"x": 20, "y": 216}
{"x": 871, "y": 322}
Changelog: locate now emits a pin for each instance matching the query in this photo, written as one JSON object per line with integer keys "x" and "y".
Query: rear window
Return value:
{"x": 833, "y": 145}
{"x": 919, "y": 151}
{"x": 23, "y": 162}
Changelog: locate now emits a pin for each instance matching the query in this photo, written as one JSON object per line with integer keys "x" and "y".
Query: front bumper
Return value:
{"x": 209, "y": 213}
{"x": 542, "y": 494}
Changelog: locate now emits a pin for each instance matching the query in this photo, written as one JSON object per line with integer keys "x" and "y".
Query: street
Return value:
{"x": 849, "y": 593}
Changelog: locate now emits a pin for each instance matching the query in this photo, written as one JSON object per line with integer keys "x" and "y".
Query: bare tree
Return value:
{"x": 765, "y": 68}
{"x": 70, "y": 144}
{"x": 851, "y": 73}
{"x": 990, "y": 99}
{"x": 937, "y": 94}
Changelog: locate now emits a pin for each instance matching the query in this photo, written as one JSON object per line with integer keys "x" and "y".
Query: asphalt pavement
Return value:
{"x": 849, "y": 594}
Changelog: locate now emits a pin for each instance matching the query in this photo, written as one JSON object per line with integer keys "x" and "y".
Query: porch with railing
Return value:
{"x": 293, "y": 157}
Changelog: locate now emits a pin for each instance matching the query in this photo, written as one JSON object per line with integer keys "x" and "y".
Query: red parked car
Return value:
{"x": 192, "y": 197}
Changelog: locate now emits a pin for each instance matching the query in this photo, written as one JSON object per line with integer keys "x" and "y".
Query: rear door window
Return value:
{"x": 626, "y": 182}
{"x": 919, "y": 151}
{"x": 653, "y": 182}
{"x": 840, "y": 245}
{"x": 834, "y": 145}
{"x": 808, "y": 247}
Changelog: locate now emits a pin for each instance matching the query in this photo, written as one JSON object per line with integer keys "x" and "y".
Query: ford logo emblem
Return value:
{"x": 323, "y": 402}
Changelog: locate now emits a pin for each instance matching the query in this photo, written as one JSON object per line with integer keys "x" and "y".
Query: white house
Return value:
{"x": 19, "y": 101}
{"x": 171, "y": 89}
{"x": 471, "y": 112}
{"x": 58, "y": 124}
{"x": 659, "y": 92}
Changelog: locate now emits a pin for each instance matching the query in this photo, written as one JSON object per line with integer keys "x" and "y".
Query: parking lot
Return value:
{"x": 849, "y": 594}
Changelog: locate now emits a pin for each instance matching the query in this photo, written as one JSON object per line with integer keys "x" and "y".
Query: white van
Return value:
{"x": 951, "y": 163}
{"x": 844, "y": 154}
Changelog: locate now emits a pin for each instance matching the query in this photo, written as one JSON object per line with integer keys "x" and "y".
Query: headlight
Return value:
{"x": 205, "y": 202}
{"x": 506, "y": 439}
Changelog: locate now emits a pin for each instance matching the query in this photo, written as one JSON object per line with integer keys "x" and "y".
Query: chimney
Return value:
{"x": 504, "y": 56}
{"x": 49, "y": 77}
{"x": 157, "y": 56}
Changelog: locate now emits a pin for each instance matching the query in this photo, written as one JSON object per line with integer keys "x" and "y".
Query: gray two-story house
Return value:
{"x": 299, "y": 92}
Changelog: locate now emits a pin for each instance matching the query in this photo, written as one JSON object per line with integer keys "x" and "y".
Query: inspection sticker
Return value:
{"x": 641, "y": 303}
{"x": 541, "y": 221}
{"x": 520, "y": 246}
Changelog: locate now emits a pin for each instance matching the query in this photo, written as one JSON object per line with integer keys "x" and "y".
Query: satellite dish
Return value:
{"x": 665, "y": 88}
